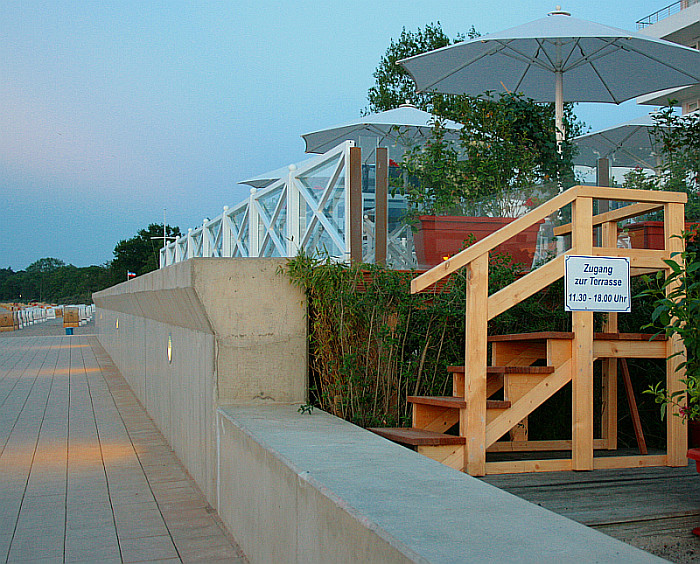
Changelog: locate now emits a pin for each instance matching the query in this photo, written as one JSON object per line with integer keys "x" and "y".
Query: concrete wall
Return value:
{"x": 296, "y": 487}
{"x": 238, "y": 335}
{"x": 311, "y": 488}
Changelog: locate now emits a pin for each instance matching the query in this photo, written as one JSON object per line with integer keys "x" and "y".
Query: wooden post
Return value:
{"x": 676, "y": 432}
{"x": 381, "y": 201}
{"x": 355, "y": 210}
{"x": 473, "y": 418}
{"x": 602, "y": 179}
{"x": 582, "y": 348}
{"x": 609, "y": 391}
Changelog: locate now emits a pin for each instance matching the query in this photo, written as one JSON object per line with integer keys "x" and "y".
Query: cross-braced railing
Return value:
{"x": 308, "y": 208}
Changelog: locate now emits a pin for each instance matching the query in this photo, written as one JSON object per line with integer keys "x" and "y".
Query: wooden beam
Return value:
{"x": 355, "y": 168}
{"x": 634, "y": 412}
{"x": 381, "y": 204}
{"x": 539, "y": 446}
{"x": 449, "y": 455}
{"x": 645, "y": 258}
{"x": 676, "y": 432}
{"x": 528, "y": 403}
{"x": 473, "y": 416}
{"x": 522, "y": 466}
{"x": 630, "y": 195}
{"x": 617, "y": 462}
{"x": 609, "y": 383}
{"x": 526, "y": 286}
{"x": 582, "y": 347}
{"x": 629, "y": 349}
{"x": 628, "y": 212}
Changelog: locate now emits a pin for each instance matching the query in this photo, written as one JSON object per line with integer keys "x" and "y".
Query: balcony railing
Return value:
{"x": 664, "y": 13}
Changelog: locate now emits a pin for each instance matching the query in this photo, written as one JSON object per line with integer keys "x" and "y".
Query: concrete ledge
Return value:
{"x": 313, "y": 488}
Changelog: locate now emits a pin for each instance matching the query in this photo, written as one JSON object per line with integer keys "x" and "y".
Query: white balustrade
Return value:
{"x": 305, "y": 208}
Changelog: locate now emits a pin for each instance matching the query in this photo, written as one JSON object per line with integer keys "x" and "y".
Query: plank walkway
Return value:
{"x": 651, "y": 508}
{"x": 85, "y": 476}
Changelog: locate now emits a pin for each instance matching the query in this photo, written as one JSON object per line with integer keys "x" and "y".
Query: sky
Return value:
{"x": 111, "y": 112}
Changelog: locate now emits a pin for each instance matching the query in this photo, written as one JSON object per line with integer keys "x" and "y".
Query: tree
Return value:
{"x": 140, "y": 254}
{"x": 394, "y": 85}
{"x": 41, "y": 268}
{"x": 44, "y": 265}
{"x": 680, "y": 149}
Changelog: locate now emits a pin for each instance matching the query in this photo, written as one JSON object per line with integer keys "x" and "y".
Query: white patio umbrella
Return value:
{"x": 398, "y": 129}
{"x": 628, "y": 144}
{"x": 558, "y": 59}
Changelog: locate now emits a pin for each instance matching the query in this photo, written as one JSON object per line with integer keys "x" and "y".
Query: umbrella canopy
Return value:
{"x": 397, "y": 129}
{"x": 628, "y": 144}
{"x": 558, "y": 59}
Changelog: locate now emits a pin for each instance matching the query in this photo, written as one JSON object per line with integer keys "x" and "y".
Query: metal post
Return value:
{"x": 225, "y": 234}
{"x": 381, "y": 202}
{"x": 293, "y": 231}
{"x": 355, "y": 170}
{"x": 253, "y": 226}
{"x": 206, "y": 239}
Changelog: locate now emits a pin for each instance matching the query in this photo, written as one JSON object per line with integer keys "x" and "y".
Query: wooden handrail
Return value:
{"x": 628, "y": 212}
{"x": 653, "y": 199}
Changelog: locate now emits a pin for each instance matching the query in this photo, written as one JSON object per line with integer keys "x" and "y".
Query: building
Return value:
{"x": 680, "y": 23}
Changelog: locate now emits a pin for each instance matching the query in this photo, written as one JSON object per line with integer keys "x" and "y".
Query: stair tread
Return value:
{"x": 454, "y": 402}
{"x": 417, "y": 437}
{"x": 508, "y": 369}
{"x": 544, "y": 335}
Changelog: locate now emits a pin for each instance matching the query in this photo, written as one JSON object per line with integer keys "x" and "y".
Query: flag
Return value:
{"x": 130, "y": 275}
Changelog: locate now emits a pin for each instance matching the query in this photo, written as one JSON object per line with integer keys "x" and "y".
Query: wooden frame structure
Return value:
{"x": 571, "y": 356}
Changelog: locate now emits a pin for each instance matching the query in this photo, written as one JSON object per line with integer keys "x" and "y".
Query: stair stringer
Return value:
{"x": 528, "y": 403}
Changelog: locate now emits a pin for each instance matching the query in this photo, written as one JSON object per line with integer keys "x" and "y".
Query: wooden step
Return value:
{"x": 453, "y": 402}
{"x": 494, "y": 376}
{"x": 417, "y": 437}
{"x": 507, "y": 369}
{"x": 546, "y": 335}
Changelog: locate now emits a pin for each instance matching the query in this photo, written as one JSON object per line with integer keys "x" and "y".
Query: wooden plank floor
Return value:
{"x": 85, "y": 476}
{"x": 651, "y": 508}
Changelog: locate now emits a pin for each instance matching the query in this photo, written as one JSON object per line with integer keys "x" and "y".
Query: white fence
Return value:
{"x": 307, "y": 209}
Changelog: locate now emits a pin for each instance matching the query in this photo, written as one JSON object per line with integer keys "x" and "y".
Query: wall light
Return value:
{"x": 117, "y": 324}
{"x": 170, "y": 348}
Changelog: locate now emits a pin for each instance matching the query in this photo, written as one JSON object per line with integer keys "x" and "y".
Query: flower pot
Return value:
{"x": 693, "y": 434}
{"x": 442, "y": 236}
{"x": 650, "y": 234}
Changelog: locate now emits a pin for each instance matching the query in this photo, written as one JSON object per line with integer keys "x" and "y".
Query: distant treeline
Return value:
{"x": 60, "y": 284}
{"x": 53, "y": 281}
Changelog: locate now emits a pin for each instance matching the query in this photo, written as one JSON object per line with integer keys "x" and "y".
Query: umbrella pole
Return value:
{"x": 559, "y": 108}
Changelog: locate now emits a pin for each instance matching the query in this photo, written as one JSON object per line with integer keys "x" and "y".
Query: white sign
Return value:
{"x": 597, "y": 284}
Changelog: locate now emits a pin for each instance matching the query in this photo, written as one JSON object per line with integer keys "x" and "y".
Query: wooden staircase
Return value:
{"x": 435, "y": 430}
{"x": 490, "y": 402}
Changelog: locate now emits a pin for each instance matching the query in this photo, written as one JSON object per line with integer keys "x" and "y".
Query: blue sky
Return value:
{"x": 112, "y": 111}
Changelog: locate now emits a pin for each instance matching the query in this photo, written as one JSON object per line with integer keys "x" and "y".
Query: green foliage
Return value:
{"x": 141, "y": 253}
{"x": 507, "y": 154}
{"x": 677, "y": 313}
{"x": 372, "y": 342}
{"x": 51, "y": 280}
{"x": 393, "y": 84}
{"x": 680, "y": 142}
{"x": 45, "y": 265}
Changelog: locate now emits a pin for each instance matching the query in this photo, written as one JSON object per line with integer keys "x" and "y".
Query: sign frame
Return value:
{"x": 597, "y": 283}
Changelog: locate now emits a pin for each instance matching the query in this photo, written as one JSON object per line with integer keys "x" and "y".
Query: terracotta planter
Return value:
{"x": 693, "y": 434}
{"x": 442, "y": 236}
{"x": 650, "y": 234}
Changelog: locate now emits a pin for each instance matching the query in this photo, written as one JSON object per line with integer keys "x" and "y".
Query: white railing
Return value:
{"x": 306, "y": 209}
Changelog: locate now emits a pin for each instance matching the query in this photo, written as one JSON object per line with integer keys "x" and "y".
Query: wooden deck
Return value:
{"x": 651, "y": 508}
